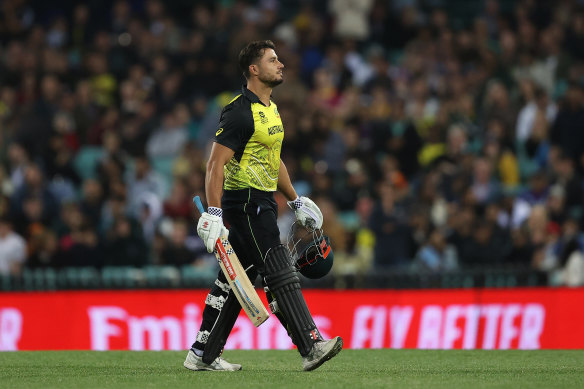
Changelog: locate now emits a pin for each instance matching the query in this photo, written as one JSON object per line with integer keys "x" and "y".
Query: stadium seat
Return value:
{"x": 86, "y": 160}
{"x": 163, "y": 165}
{"x": 161, "y": 276}
{"x": 88, "y": 277}
{"x": 122, "y": 277}
{"x": 198, "y": 277}
{"x": 28, "y": 279}
{"x": 78, "y": 278}
{"x": 5, "y": 282}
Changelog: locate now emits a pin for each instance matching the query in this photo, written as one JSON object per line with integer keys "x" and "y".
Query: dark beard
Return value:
{"x": 272, "y": 83}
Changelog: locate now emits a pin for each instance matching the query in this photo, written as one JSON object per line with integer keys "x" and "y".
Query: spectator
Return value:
{"x": 12, "y": 249}
{"x": 481, "y": 249}
{"x": 125, "y": 246}
{"x": 566, "y": 131}
{"x": 475, "y": 116}
{"x": 484, "y": 187}
{"x": 570, "y": 257}
{"x": 535, "y": 100}
{"x": 34, "y": 186}
{"x": 44, "y": 251}
{"x": 179, "y": 203}
{"x": 91, "y": 202}
{"x": 351, "y": 18}
{"x": 167, "y": 140}
{"x": 142, "y": 182}
{"x": 84, "y": 249}
{"x": 176, "y": 252}
{"x": 392, "y": 247}
{"x": 436, "y": 256}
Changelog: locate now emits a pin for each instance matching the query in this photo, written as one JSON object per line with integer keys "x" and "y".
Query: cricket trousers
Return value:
{"x": 251, "y": 217}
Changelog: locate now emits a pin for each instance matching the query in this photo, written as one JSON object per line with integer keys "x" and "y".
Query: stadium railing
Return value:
{"x": 168, "y": 277}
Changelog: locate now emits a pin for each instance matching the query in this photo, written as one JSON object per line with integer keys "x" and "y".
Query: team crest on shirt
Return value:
{"x": 276, "y": 112}
{"x": 263, "y": 117}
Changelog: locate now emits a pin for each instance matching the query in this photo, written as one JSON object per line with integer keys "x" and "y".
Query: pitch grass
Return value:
{"x": 283, "y": 369}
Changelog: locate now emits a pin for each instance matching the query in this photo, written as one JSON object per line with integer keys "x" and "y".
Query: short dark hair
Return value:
{"x": 251, "y": 53}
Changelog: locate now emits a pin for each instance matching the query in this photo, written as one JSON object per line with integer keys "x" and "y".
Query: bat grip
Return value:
{"x": 199, "y": 204}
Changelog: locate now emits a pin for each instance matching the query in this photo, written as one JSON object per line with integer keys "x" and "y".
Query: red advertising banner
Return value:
{"x": 538, "y": 318}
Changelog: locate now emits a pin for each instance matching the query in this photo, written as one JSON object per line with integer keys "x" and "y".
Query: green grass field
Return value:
{"x": 283, "y": 369}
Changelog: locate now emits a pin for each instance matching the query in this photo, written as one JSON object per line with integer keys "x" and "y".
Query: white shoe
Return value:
{"x": 322, "y": 352}
{"x": 194, "y": 362}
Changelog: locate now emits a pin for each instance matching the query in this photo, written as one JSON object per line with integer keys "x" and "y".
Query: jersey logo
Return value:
{"x": 263, "y": 117}
{"x": 219, "y": 131}
{"x": 275, "y": 129}
{"x": 276, "y": 112}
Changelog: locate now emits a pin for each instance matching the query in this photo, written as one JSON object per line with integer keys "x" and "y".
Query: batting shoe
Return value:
{"x": 322, "y": 352}
{"x": 194, "y": 362}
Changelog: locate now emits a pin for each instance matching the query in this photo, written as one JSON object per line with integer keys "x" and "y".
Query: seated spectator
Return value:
{"x": 34, "y": 217}
{"x": 91, "y": 202}
{"x": 538, "y": 189}
{"x": 125, "y": 246}
{"x": 141, "y": 182}
{"x": 484, "y": 187}
{"x": 522, "y": 250}
{"x": 34, "y": 185}
{"x": 83, "y": 249}
{"x": 179, "y": 203}
{"x": 392, "y": 233}
{"x": 70, "y": 218}
{"x": 481, "y": 249}
{"x": 436, "y": 256}
{"x": 150, "y": 214}
{"x": 354, "y": 254}
{"x": 44, "y": 251}
{"x": 565, "y": 259}
{"x": 176, "y": 250}
{"x": 169, "y": 139}
{"x": 12, "y": 249}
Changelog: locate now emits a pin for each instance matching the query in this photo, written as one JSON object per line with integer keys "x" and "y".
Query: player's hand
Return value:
{"x": 210, "y": 228}
{"x": 307, "y": 212}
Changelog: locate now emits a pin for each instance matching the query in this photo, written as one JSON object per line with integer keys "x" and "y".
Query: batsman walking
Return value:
{"x": 243, "y": 172}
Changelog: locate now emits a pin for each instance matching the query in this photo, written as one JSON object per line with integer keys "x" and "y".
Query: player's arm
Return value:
{"x": 210, "y": 226}
{"x": 307, "y": 212}
{"x": 285, "y": 184}
{"x": 235, "y": 128}
{"x": 219, "y": 157}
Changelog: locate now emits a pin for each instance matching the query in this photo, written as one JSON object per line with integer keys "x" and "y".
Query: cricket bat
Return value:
{"x": 237, "y": 278}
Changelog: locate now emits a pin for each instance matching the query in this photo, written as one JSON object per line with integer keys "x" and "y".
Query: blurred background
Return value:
{"x": 442, "y": 139}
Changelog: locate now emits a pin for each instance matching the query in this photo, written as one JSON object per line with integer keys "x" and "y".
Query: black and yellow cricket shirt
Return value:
{"x": 255, "y": 133}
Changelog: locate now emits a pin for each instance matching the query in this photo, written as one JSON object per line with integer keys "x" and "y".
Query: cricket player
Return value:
{"x": 243, "y": 172}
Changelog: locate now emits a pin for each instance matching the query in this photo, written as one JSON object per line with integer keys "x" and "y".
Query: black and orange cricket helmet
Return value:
{"x": 311, "y": 251}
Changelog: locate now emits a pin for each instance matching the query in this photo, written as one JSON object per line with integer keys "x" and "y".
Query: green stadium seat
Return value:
{"x": 124, "y": 277}
{"x": 161, "y": 276}
{"x": 198, "y": 277}
{"x": 28, "y": 280}
{"x": 5, "y": 282}
{"x": 163, "y": 165}
{"x": 86, "y": 161}
{"x": 88, "y": 277}
{"x": 70, "y": 278}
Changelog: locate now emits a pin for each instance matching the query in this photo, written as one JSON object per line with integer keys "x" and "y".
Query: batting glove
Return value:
{"x": 307, "y": 212}
{"x": 210, "y": 227}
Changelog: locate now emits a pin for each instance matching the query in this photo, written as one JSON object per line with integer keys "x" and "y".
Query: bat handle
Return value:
{"x": 199, "y": 204}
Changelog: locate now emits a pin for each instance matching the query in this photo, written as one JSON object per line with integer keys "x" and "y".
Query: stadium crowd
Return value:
{"x": 435, "y": 135}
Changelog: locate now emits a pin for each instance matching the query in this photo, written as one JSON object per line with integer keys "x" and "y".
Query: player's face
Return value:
{"x": 270, "y": 69}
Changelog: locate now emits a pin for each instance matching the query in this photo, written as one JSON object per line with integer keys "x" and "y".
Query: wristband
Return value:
{"x": 296, "y": 204}
{"x": 215, "y": 211}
